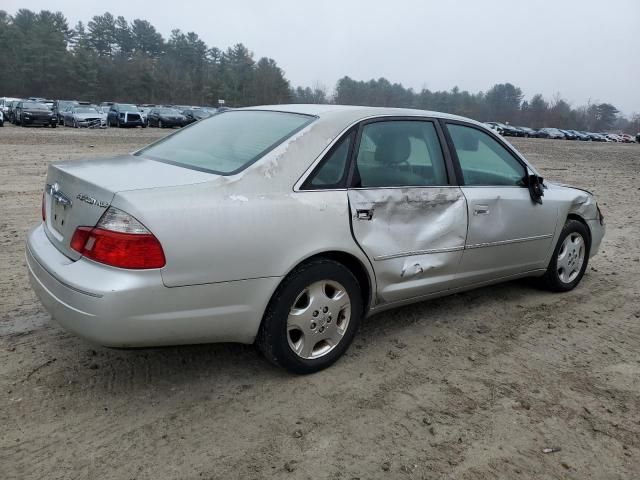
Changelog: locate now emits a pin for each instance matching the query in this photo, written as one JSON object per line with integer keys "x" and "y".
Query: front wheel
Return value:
{"x": 312, "y": 318}
{"x": 570, "y": 258}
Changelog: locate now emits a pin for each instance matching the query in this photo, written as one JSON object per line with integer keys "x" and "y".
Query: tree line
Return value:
{"x": 112, "y": 59}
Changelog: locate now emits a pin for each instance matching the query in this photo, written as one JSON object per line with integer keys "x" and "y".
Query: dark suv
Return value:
{"x": 30, "y": 112}
{"x": 125, "y": 115}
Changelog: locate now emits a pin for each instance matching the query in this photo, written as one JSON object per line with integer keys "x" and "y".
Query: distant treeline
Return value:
{"x": 112, "y": 59}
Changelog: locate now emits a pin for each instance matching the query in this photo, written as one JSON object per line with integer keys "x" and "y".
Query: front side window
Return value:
{"x": 399, "y": 153}
{"x": 227, "y": 143}
{"x": 483, "y": 160}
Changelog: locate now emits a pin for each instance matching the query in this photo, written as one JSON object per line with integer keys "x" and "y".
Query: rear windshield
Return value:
{"x": 229, "y": 142}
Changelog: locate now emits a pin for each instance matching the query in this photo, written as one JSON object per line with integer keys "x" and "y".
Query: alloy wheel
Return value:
{"x": 318, "y": 319}
{"x": 570, "y": 257}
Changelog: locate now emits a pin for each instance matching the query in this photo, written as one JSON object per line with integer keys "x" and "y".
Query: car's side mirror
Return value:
{"x": 536, "y": 187}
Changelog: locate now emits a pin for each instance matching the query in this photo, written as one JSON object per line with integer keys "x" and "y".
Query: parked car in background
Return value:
{"x": 124, "y": 115}
{"x": 144, "y": 110}
{"x": 59, "y": 106}
{"x": 551, "y": 133}
{"x": 29, "y": 112}
{"x": 612, "y": 137}
{"x": 495, "y": 127}
{"x": 164, "y": 117}
{"x": 198, "y": 238}
{"x": 507, "y": 130}
{"x": 528, "y": 132}
{"x": 84, "y": 116}
{"x": 580, "y": 135}
{"x": 567, "y": 134}
{"x": 11, "y": 110}
{"x": 4, "y": 104}
{"x": 638, "y": 137}
{"x": 626, "y": 138}
{"x": 195, "y": 114}
{"x": 596, "y": 137}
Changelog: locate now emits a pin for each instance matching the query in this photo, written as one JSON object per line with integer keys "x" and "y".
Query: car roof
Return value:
{"x": 355, "y": 112}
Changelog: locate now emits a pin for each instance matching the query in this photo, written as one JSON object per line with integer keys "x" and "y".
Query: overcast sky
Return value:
{"x": 584, "y": 50}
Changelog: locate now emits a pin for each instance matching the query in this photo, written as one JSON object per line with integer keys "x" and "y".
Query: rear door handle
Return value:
{"x": 364, "y": 214}
{"x": 481, "y": 210}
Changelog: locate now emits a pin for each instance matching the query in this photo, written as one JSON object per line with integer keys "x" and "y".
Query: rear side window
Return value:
{"x": 229, "y": 142}
{"x": 483, "y": 160}
{"x": 398, "y": 154}
{"x": 332, "y": 171}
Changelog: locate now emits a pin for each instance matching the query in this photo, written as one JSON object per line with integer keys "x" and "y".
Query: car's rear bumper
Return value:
{"x": 127, "y": 308}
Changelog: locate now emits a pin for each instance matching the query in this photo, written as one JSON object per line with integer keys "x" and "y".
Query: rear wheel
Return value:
{"x": 570, "y": 258}
{"x": 312, "y": 318}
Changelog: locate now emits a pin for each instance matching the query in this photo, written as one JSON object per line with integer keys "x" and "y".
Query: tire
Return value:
{"x": 54, "y": 125}
{"x": 569, "y": 261}
{"x": 320, "y": 338}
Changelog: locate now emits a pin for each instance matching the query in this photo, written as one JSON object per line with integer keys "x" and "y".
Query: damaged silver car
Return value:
{"x": 287, "y": 225}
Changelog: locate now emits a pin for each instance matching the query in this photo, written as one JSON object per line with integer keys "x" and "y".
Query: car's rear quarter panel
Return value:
{"x": 250, "y": 225}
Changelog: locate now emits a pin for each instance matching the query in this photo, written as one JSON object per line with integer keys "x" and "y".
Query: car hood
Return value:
{"x": 36, "y": 110}
{"x": 565, "y": 185}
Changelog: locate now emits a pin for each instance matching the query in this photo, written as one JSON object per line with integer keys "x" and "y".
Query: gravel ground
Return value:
{"x": 473, "y": 386}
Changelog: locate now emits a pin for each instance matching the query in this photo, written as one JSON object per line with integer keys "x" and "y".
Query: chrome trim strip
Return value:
{"x": 506, "y": 242}
{"x": 419, "y": 252}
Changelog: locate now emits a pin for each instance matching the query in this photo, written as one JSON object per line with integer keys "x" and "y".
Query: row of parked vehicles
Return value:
{"x": 557, "y": 133}
{"x": 74, "y": 113}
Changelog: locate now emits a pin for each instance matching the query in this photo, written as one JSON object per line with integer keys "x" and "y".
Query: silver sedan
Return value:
{"x": 287, "y": 225}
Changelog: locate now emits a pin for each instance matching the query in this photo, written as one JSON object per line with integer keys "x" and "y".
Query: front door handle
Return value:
{"x": 481, "y": 210}
{"x": 364, "y": 214}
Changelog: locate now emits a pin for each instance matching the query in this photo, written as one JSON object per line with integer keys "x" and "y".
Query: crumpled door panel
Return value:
{"x": 413, "y": 236}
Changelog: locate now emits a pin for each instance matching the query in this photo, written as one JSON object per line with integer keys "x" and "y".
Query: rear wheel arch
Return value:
{"x": 348, "y": 260}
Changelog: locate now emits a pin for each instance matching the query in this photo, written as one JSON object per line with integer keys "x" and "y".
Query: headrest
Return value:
{"x": 392, "y": 148}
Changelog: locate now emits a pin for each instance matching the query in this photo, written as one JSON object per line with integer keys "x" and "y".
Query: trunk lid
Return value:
{"x": 77, "y": 193}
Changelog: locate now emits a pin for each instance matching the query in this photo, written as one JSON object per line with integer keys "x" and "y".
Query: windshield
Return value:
{"x": 86, "y": 110}
{"x": 35, "y": 105}
{"x": 229, "y": 142}
{"x": 170, "y": 111}
{"x": 127, "y": 108}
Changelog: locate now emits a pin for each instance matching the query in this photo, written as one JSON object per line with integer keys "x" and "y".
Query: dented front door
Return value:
{"x": 414, "y": 237}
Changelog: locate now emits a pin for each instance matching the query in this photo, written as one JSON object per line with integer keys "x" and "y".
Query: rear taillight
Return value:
{"x": 44, "y": 212}
{"x": 119, "y": 240}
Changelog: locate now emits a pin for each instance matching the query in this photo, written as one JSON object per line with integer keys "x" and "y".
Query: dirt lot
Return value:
{"x": 473, "y": 386}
